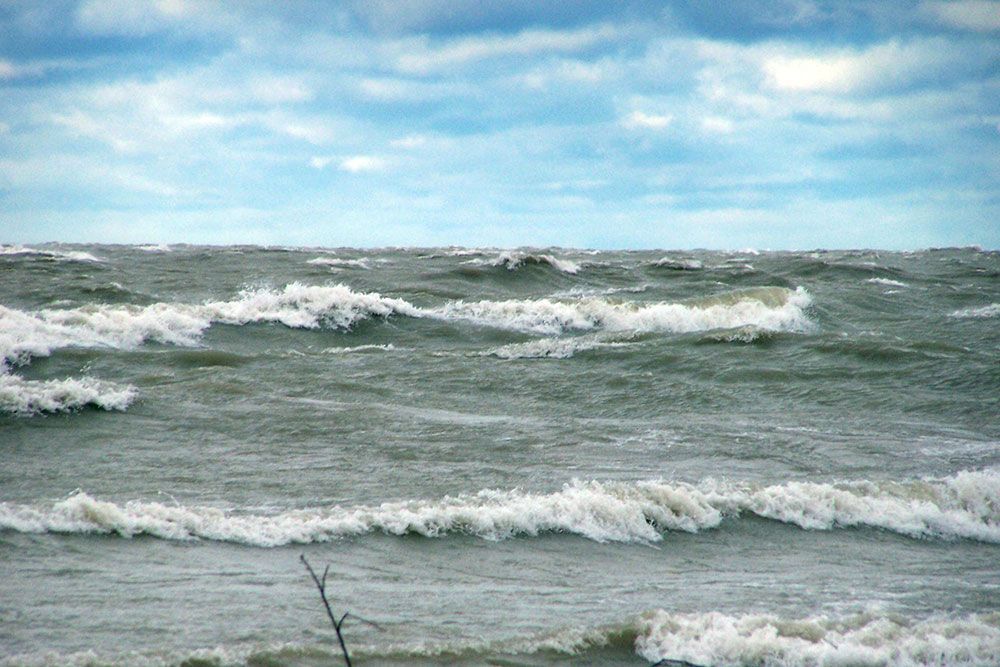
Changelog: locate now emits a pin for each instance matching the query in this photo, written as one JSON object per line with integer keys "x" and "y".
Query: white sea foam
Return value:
{"x": 23, "y": 334}
{"x": 966, "y": 505}
{"x": 513, "y": 260}
{"x": 155, "y": 247}
{"x": 869, "y": 639}
{"x": 27, "y": 334}
{"x": 338, "y": 263}
{"x": 862, "y": 639}
{"x": 28, "y": 397}
{"x": 389, "y": 347}
{"x": 982, "y": 312}
{"x": 770, "y": 308}
{"x": 67, "y": 255}
{"x": 679, "y": 264}
{"x": 886, "y": 281}
{"x": 552, "y": 348}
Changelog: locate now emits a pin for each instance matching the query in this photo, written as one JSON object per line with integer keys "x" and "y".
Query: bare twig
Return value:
{"x": 321, "y": 585}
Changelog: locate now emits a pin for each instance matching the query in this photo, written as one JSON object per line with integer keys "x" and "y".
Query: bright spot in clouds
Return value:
{"x": 640, "y": 120}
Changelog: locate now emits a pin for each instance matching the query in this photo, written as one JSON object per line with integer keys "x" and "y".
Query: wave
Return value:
{"x": 24, "y": 335}
{"x": 22, "y": 397}
{"x": 371, "y": 347}
{"x": 770, "y": 308}
{"x": 67, "y": 255}
{"x": 513, "y": 260}
{"x": 155, "y": 247}
{"x": 966, "y": 505}
{"x": 679, "y": 264}
{"x": 886, "y": 281}
{"x": 862, "y": 639}
{"x": 552, "y": 348}
{"x": 982, "y": 312}
{"x": 708, "y": 638}
{"x": 338, "y": 263}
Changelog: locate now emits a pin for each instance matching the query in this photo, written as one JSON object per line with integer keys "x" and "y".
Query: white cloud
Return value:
{"x": 409, "y": 142}
{"x": 279, "y": 90}
{"x": 979, "y": 15}
{"x": 717, "y": 125}
{"x": 388, "y": 89}
{"x": 639, "y": 120}
{"x": 571, "y": 72}
{"x": 131, "y": 17}
{"x": 882, "y": 66}
{"x": 422, "y": 59}
{"x": 321, "y": 161}
{"x": 7, "y": 69}
{"x": 360, "y": 163}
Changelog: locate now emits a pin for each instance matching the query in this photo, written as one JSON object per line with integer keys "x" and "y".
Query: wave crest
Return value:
{"x": 966, "y": 505}
{"x": 862, "y": 639}
{"x": 30, "y": 397}
{"x": 769, "y": 308}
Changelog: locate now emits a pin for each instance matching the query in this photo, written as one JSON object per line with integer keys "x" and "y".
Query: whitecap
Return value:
{"x": 886, "y": 281}
{"x": 965, "y": 505}
{"x": 30, "y": 397}
{"x": 981, "y": 312}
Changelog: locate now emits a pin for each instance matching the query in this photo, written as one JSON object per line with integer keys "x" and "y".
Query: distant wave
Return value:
{"x": 679, "y": 263}
{"x": 966, "y": 505}
{"x": 886, "y": 281}
{"x": 707, "y": 638}
{"x": 339, "y": 263}
{"x": 30, "y": 397}
{"x": 513, "y": 260}
{"x": 67, "y": 255}
{"x": 24, "y": 335}
{"x": 155, "y": 247}
{"x": 771, "y": 308}
{"x": 27, "y": 334}
{"x": 982, "y": 312}
{"x": 553, "y": 348}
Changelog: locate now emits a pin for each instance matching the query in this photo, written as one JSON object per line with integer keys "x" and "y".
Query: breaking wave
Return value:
{"x": 679, "y": 264}
{"x": 24, "y": 335}
{"x": 338, "y": 263}
{"x": 862, "y": 639}
{"x": 553, "y": 348}
{"x": 770, "y": 308}
{"x": 965, "y": 505}
{"x": 982, "y": 312}
{"x": 708, "y": 638}
{"x": 886, "y": 281}
{"x": 513, "y": 260}
{"x": 30, "y": 397}
{"x": 66, "y": 255}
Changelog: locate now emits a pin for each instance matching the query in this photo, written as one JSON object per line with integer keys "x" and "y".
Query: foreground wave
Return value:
{"x": 965, "y": 505}
{"x": 712, "y": 638}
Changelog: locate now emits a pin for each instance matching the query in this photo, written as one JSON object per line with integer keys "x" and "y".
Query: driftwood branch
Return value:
{"x": 321, "y": 585}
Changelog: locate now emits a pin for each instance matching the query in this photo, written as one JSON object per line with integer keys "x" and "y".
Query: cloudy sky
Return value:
{"x": 765, "y": 123}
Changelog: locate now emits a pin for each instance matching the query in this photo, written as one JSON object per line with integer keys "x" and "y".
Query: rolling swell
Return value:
{"x": 965, "y": 505}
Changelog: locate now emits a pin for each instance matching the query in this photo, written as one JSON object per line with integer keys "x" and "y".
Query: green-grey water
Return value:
{"x": 507, "y": 457}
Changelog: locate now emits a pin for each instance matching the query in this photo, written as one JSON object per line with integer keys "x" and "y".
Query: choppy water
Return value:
{"x": 507, "y": 457}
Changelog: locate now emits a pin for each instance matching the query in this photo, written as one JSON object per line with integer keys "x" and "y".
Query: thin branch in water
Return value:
{"x": 321, "y": 585}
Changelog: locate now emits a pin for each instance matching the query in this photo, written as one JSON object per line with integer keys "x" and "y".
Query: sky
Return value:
{"x": 781, "y": 124}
